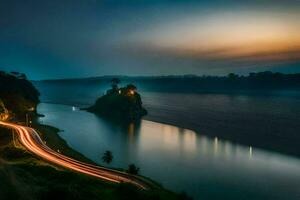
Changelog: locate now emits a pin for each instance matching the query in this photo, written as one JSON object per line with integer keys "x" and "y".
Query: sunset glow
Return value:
{"x": 253, "y": 36}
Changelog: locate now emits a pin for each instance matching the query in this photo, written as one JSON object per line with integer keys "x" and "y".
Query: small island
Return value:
{"x": 121, "y": 104}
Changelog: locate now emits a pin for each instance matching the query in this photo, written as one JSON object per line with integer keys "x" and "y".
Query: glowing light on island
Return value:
{"x": 131, "y": 92}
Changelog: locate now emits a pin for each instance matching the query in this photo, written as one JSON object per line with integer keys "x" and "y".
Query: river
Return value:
{"x": 180, "y": 159}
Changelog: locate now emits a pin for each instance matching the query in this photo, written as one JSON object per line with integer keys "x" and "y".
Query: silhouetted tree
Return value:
{"x": 232, "y": 76}
{"x": 114, "y": 83}
{"x": 131, "y": 87}
{"x": 132, "y": 169}
{"x": 107, "y": 157}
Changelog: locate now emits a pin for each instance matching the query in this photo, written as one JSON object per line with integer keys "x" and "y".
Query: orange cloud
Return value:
{"x": 239, "y": 36}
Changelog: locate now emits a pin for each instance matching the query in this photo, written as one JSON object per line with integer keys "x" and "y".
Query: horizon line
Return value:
{"x": 155, "y": 76}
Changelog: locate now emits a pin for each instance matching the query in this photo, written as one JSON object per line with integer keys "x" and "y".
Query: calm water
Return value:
{"x": 180, "y": 159}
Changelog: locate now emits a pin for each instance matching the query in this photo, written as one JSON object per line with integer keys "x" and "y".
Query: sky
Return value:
{"x": 83, "y": 38}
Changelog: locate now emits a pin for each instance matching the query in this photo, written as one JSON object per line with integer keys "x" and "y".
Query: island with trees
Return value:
{"x": 120, "y": 103}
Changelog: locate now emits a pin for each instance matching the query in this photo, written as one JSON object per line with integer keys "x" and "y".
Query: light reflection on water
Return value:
{"x": 172, "y": 138}
{"x": 184, "y": 141}
{"x": 180, "y": 159}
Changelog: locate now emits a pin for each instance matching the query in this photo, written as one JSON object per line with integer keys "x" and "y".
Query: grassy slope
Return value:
{"x": 24, "y": 176}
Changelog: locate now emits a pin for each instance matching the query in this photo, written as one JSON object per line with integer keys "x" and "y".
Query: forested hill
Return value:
{"x": 17, "y": 93}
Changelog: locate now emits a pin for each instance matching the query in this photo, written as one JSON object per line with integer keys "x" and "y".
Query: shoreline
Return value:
{"x": 55, "y": 141}
{"x": 48, "y": 132}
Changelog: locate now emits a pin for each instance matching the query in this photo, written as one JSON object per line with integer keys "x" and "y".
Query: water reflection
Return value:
{"x": 131, "y": 132}
{"x": 184, "y": 142}
{"x": 131, "y": 129}
{"x": 250, "y": 152}
{"x": 189, "y": 140}
{"x": 216, "y": 144}
{"x": 227, "y": 149}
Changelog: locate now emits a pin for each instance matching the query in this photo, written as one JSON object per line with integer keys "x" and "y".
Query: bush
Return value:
{"x": 132, "y": 169}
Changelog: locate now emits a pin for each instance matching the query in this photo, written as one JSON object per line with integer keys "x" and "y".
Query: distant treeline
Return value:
{"x": 17, "y": 93}
{"x": 254, "y": 81}
{"x": 192, "y": 83}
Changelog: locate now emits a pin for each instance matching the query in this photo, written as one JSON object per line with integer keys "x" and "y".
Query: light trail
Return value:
{"x": 32, "y": 142}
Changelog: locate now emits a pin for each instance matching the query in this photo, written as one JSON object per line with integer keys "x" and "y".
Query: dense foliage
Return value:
{"x": 107, "y": 157}
{"x": 17, "y": 93}
{"x": 132, "y": 169}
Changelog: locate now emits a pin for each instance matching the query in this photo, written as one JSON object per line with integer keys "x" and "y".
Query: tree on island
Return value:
{"x": 132, "y": 169}
{"x": 232, "y": 76}
{"x": 131, "y": 89}
{"x": 107, "y": 157}
{"x": 114, "y": 83}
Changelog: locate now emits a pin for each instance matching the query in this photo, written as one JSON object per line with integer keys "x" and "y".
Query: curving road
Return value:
{"x": 32, "y": 141}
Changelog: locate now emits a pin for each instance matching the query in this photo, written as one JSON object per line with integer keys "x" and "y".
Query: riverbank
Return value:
{"x": 50, "y": 135}
{"x": 56, "y": 180}
{"x": 55, "y": 142}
